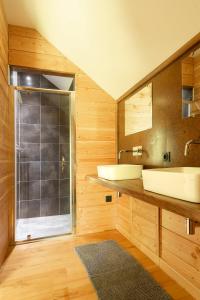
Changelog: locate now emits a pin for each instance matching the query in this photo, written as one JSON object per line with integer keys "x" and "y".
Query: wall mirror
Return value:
{"x": 190, "y": 71}
{"x": 138, "y": 111}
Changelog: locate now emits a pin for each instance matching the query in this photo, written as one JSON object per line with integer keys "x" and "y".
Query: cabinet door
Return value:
{"x": 123, "y": 220}
{"x": 145, "y": 225}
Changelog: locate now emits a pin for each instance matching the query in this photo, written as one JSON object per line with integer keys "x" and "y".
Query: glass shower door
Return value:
{"x": 43, "y": 195}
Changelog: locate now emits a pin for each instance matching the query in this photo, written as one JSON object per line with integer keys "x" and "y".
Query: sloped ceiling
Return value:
{"x": 116, "y": 42}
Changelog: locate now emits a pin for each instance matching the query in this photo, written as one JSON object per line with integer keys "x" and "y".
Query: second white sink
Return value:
{"x": 182, "y": 183}
{"x": 120, "y": 172}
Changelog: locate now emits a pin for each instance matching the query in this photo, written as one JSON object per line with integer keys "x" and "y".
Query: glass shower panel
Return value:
{"x": 43, "y": 198}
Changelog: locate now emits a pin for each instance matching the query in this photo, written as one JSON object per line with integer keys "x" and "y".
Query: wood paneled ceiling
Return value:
{"x": 116, "y": 42}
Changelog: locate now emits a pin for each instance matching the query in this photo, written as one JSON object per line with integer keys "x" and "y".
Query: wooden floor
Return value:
{"x": 51, "y": 270}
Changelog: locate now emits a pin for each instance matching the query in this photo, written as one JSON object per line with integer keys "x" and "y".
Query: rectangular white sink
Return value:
{"x": 120, "y": 172}
{"x": 182, "y": 183}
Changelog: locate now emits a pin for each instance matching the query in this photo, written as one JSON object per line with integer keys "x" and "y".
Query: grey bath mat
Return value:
{"x": 116, "y": 275}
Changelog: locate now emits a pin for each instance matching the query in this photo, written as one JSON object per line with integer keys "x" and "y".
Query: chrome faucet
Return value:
{"x": 188, "y": 143}
{"x": 120, "y": 152}
{"x": 132, "y": 151}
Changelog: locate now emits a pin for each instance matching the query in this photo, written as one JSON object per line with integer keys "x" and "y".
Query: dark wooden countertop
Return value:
{"x": 135, "y": 189}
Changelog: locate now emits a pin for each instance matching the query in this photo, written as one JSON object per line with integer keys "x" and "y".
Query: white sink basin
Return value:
{"x": 182, "y": 183}
{"x": 120, "y": 172}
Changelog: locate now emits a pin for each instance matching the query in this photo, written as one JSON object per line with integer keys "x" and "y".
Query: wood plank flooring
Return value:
{"x": 51, "y": 270}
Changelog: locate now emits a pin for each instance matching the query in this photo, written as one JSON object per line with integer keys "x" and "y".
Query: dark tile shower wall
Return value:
{"x": 43, "y": 188}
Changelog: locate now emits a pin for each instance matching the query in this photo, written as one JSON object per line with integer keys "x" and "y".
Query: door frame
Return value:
{"x": 12, "y": 217}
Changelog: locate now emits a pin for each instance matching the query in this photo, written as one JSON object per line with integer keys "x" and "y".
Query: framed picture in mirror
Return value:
{"x": 138, "y": 111}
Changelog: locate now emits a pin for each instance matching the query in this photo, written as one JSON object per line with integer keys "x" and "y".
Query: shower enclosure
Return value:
{"x": 44, "y": 166}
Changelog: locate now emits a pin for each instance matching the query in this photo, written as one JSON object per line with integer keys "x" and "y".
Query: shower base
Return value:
{"x": 32, "y": 228}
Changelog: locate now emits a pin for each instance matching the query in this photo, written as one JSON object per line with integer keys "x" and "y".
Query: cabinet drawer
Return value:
{"x": 182, "y": 255}
{"x": 186, "y": 250}
{"x": 145, "y": 210}
{"x": 177, "y": 224}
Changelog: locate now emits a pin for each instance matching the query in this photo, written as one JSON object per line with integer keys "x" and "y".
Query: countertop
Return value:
{"x": 134, "y": 188}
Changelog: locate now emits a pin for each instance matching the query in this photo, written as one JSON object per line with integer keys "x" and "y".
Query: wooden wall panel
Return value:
{"x": 95, "y": 124}
{"x": 22, "y": 43}
{"x": 6, "y": 142}
{"x": 96, "y": 218}
{"x": 40, "y": 61}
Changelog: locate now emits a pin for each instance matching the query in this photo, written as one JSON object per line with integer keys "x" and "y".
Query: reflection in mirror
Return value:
{"x": 191, "y": 85}
{"x": 138, "y": 111}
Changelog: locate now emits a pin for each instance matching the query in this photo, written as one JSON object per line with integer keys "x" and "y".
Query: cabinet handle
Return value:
{"x": 189, "y": 226}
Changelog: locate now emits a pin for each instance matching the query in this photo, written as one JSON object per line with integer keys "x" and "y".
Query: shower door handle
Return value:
{"x": 63, "y": 162}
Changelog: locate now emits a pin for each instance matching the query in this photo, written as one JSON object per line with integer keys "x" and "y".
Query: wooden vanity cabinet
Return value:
{"x": 159, "y": 233}
{"x": 162, "y": 236}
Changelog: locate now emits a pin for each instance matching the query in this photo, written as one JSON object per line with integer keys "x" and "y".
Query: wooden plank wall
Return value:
{"x": 6, "y": 140}
{"x": 95, "y": 125}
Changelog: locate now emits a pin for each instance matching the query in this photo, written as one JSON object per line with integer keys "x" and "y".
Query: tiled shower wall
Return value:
{"x": 42, "y": 129}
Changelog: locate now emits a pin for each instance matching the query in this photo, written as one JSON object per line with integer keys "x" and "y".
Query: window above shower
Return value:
{"x": 29, "y": 78}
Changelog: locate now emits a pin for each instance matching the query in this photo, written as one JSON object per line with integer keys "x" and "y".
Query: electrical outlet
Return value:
{"x": 167, "y": 156}
{"x": 108, "y": 198}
